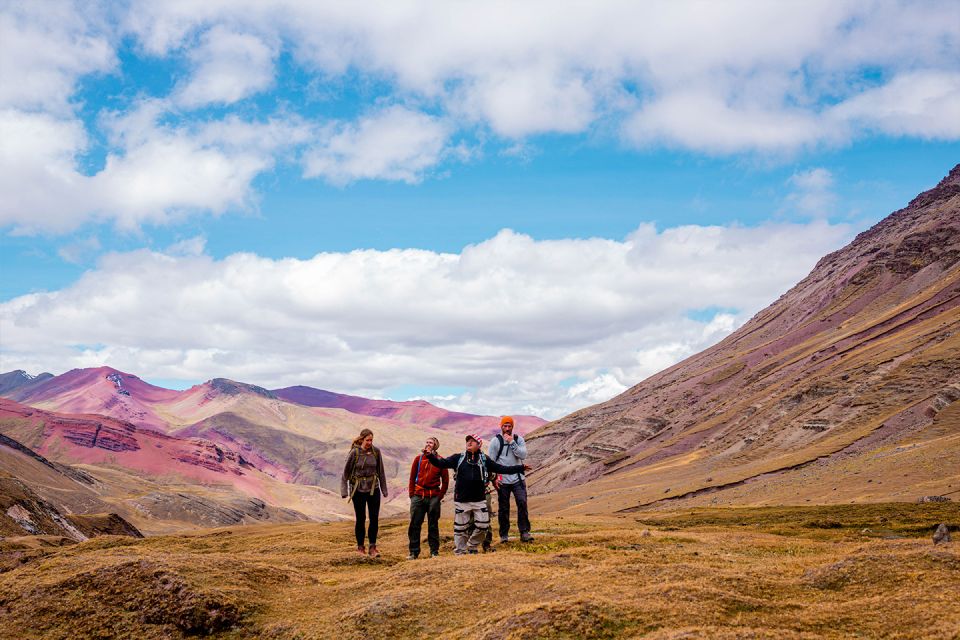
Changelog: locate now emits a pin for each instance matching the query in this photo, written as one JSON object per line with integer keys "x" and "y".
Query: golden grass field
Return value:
{"x": 867, "y": 571}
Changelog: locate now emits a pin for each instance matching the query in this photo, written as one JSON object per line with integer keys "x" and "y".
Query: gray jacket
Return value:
{"x": 514, "y": 453}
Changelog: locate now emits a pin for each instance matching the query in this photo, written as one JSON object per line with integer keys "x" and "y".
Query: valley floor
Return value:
{"x": 868, "y": 571}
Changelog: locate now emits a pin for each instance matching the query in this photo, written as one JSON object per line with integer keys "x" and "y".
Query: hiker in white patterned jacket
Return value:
{"x": 471, "y": 471}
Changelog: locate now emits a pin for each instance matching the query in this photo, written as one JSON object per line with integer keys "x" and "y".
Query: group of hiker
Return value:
{"x": 477, "y": 476}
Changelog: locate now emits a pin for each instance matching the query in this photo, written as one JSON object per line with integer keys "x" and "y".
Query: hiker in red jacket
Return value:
{"x": 428, "y": 485}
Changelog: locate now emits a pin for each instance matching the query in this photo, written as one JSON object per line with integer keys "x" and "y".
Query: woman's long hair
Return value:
{"x": 360, "y": 438}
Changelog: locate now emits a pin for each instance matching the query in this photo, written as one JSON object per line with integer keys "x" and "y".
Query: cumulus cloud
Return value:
{"x": 45, "y": 48}
{"x": 725, "y": 78}
{"x": 732, "y": 78}
{"x": 522, "y": 324}
{"x": 229, "y": 66}
{"x": 395, "y": 143}
{"x": 156, "y": 173}
{"x": 925, "y": 104}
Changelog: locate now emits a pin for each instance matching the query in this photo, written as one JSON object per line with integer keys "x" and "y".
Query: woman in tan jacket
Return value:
{"x": 363, "y": 482}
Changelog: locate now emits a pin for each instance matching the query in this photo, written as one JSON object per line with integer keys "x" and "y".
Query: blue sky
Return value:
{"x": 500, "y": 207}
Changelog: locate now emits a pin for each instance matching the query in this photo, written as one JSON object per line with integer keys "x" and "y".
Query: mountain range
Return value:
{"x": 843, "y": 390}
{"x": 222, "y": 452}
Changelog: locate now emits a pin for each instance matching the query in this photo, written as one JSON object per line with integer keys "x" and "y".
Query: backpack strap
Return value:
{"x": 483, "y": 468}
{"x": 416, "y": 480}
{"x": 503, "y": 445}
{"x": 353, "y": 471}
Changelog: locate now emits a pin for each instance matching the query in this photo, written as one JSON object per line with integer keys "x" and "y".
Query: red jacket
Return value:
{"x": 426, "y": 480}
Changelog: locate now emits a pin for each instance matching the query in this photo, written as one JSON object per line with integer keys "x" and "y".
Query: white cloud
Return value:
{"x": 597, "y": 389}
{"x": 44, "y": 48}
{"x": 925, "y": 104}
{"x": 721, "y": 78}
{"x": 156, "y": 173}
{"x": 703, "y": 121}
{"x": 229, "y": 66}
{"x": 38, "y": 175}
{"x": 395, "y": 143}
{"x": 726, "y": 78}
{"x": 523, "y": 102}
{"x": 512, "y": 319}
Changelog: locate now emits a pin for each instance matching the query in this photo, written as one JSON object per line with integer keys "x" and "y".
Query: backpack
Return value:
{"x": 483, "y": 466}
{"x": 354, "y": 477}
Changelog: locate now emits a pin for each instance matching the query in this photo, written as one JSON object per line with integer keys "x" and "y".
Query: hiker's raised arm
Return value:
{"x": 504, "y": 468}
{"x": 443, "y": 463}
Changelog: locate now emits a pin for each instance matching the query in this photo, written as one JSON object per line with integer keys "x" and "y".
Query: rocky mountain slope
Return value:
{"x": 39, "y": 497}
{"x": 849, "y": 368}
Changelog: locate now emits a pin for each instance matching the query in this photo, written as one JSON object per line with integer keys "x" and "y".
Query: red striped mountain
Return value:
{"x": 844, "y": 389}
{"x": 90, "y": 439}
{"x": 411, "y": 411}
{"x": 151, "y": 478}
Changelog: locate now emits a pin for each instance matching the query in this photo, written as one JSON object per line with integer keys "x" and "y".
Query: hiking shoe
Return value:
{"x": 504, "y": 539}
{"x": 526, "y": 537}
{"x": 373, "y": 551}
{"x": 472, "y": 551}
{"x": 362, "y": 550}
{"x": 413, "y": 556}
{"x": 434, "y": 554}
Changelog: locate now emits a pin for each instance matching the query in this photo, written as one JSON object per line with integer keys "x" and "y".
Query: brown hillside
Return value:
{"x": 811, "y": 397}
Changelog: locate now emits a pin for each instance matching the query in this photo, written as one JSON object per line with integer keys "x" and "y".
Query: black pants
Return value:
{"x": 363, "y": 502}
{"x": 420, "y": 507}
{"x": 519, "y": 491}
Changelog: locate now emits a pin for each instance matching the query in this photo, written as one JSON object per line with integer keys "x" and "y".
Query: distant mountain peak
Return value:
{"x": 20, "y": 379}
{"x": 229, "y": 387}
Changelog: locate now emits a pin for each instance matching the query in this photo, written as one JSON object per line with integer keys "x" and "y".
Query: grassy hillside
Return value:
{"x": 868, "y": 571}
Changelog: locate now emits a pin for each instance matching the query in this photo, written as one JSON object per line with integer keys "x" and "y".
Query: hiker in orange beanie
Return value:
{"x": 508, "y": 449}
